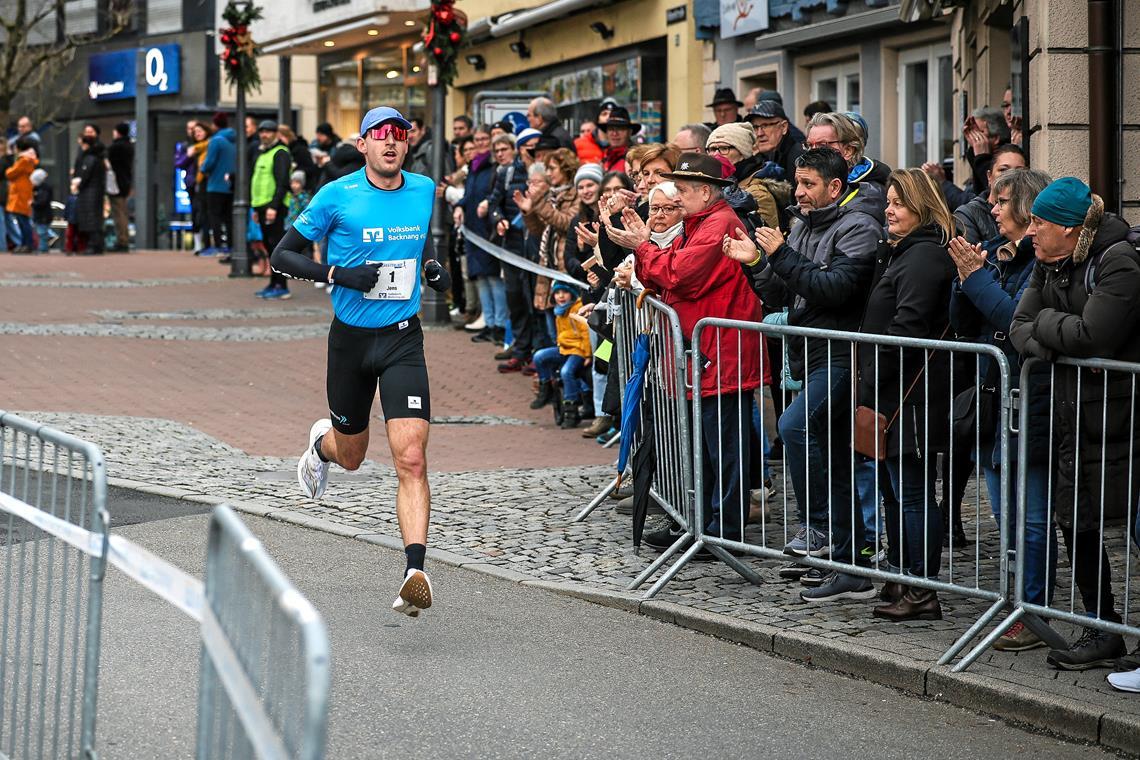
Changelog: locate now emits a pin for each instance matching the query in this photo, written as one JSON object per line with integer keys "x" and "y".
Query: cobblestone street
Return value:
{"x": 193, "y": 388}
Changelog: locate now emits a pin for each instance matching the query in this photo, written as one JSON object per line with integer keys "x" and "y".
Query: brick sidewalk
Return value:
{"x": 125, "y": 335}
{"x": 214, "y": 426}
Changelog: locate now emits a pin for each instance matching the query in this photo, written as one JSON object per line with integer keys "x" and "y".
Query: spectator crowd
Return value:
{"x": 756, "y": 218}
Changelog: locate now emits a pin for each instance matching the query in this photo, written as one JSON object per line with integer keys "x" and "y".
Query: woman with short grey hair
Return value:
{"x": 991, "y": 278}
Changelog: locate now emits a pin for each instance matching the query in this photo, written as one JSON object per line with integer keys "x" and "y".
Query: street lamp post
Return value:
{"x": 239, "y": 255}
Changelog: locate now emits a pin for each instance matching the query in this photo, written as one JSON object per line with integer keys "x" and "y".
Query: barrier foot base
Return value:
{"x": 988, "y": 640}
{"x": 742, "y": 569}
{"x": 648, "y": 572}
{"x": 597, "y": 501}
{"x": 994, "y": 610}
{"x": 1044, "y": 631}
{"x": 672, "y": 571}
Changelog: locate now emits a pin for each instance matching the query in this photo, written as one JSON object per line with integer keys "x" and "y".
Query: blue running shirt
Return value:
{"x": 366, "y": 224}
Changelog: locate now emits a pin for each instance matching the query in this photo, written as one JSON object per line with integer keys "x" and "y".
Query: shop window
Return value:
{"x": 926, "y": 105}
{"x": 82, "y": 17}
{"x": 163, "y": 16}
{"x": 837, "y": 84}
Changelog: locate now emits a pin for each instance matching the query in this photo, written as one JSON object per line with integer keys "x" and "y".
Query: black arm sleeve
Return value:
{"x": 288, "y": 260}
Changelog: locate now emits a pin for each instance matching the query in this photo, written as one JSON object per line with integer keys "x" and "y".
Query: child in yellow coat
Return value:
{"x": 568, "y": 358}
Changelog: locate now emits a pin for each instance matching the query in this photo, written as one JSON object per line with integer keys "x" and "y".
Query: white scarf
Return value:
{"x": 665, "y": 239}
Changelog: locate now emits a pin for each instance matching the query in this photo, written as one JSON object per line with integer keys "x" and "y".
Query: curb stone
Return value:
{"x": 1056, "y": 715}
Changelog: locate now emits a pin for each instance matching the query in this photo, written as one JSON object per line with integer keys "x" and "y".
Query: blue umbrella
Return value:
{"x": 631, "y": 402}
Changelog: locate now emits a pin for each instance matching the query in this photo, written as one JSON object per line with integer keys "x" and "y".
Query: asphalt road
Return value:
{"x": 496, "y": 670}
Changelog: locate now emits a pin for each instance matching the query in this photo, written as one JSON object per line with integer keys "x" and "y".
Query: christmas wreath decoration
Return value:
{"x": 239, "y": 53}
{"x": 442, "y": 37}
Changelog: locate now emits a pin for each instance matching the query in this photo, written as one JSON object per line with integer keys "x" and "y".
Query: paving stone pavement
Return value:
{"x": 501, "y": 503}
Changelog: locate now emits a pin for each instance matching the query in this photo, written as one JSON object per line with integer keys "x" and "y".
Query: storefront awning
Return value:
{"x": 824, "y": 31}
{"x": 517, "y": 21}
{"x": 346, "y": 33}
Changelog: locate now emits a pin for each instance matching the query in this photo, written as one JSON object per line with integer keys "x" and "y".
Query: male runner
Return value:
{"x": 377, "y": 221}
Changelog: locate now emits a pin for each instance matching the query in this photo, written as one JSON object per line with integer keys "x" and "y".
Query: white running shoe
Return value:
{"x": 1126, "y": 681}
{"x": 415, "y": 594}
{"x": 312, "y": 473}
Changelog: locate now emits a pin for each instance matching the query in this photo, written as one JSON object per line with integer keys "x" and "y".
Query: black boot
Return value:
{"x": 486, "y": 335}
{"x": 571, "y": 415}
{"x": 544, "y": 395}
{"x": 499, "y": 334}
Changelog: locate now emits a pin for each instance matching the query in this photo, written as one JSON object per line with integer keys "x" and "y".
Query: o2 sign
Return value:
{"x": 111, "y": 76}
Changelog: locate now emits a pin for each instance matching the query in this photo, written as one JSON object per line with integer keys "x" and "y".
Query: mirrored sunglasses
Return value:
{"x": 381, "y": 132}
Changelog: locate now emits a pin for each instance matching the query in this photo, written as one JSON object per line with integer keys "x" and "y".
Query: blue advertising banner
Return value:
{"x": 181, "y": 195}
{"x": 111, "y": 76}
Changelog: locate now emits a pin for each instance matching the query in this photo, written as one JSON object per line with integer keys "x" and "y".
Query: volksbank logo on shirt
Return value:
{"x": 380, "y": 234}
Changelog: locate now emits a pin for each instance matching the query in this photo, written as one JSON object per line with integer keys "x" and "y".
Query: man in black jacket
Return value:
{"x": 542, "y": 115}
{"x": 121, "y": 156}
{"x": 1081, "y": 302}
{"x": 822, "y": 273}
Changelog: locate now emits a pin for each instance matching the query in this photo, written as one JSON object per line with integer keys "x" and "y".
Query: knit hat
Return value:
{"x": 588, "y": 171}
{"x": 528, "y": 134}
{"x": 737, "y": 134}
{"x": 563, "y": 286}
{"x": 38, "y": 177}
{"x": 1065, "y": 201}
{"x": 297, "y": 176}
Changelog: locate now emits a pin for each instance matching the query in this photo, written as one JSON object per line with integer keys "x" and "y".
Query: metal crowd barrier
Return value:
{"x": 264, "y": 678}
{"x": 623, "y": 315}
{"x": 927, "y": 366}
{"x": 52, "y": 590}
{"x": 1078, "y": 469}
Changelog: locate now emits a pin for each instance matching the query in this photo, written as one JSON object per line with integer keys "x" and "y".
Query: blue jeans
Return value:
{"x": 548, "y": 361}
{"x": 12, "y": 228}
{"x": 761, "y": 447}
{"x": 871, "y": 495}
{"x": 913, "y": 480}
{"x": 43, "y": 232}
{"x": 24, "y": 223}
{"x": 1040, "y": 536}
{"x": 493, "y": 296}
{"x": 725, "y": 459}
{"x": 816, "y": 431}
{"x": 3, "y": 231}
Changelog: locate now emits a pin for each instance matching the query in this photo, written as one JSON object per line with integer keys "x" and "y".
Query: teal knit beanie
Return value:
{"x": 1065, "y": 202}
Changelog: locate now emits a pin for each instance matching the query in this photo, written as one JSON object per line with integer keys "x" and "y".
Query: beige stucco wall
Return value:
{"x": 304, "y": 91}
{"x": 1058, "y": 81}
{"x": 690, "y": 80}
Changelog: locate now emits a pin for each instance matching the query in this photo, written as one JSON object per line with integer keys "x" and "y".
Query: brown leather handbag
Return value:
{"x": 871, "y": 427}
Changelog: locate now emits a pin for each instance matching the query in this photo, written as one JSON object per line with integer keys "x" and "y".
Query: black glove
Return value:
{"x": 438, "y": 278}
{"x": 361, "y": 278}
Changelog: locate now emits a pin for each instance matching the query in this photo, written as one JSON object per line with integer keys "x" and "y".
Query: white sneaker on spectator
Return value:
{"x": 477, "y": 325}
{"x": 312, "y": 473}
{"x": 415, "y": 594}
{"x": 1126, "y": 681}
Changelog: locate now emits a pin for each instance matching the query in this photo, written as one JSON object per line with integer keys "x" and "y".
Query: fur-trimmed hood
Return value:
{"x": 1099, "y": 231}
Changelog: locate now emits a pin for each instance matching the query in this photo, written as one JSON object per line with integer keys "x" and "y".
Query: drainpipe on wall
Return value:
{"x": 1104, "y": 159}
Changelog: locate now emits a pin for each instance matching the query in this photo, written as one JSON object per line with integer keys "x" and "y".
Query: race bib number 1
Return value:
{"x": 397, "y": 280}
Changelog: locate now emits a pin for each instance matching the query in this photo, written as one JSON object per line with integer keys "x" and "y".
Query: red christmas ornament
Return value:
{"x": 437, "y": 52}
{"x": 454, "y": 37}
{"x": 444, "y": 15}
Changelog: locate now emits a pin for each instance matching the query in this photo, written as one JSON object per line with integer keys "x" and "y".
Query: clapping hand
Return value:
{"x": 769, "y": 239}
{"x": 739, "y": 247}
{"x": 934, "y": 171}
{"x": 635, "y": 233}
{"x": 587, "y": 238}
{"x": 523, "y": 201}
{"x": 967, "y": 258}
{"x": 593, "y": 279}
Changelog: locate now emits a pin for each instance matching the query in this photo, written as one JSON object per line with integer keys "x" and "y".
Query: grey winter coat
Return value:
{"x": 823, "y": 274}
{"x": 1058, "y": 315}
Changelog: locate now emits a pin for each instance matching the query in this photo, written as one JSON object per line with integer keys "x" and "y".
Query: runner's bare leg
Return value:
{"x": 346, "y": 450}
{"x": 408, "y": 439}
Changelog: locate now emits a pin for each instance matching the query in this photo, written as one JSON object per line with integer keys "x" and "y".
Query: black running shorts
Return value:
{"x": 360, "y": 358}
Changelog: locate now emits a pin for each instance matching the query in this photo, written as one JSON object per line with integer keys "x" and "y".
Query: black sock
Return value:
{"x": 415, "y": 554}
{"x": 317, "y": 448}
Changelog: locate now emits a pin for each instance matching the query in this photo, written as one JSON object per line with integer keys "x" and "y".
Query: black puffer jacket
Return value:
{"x": 92, "y": 175}
{"x": 344, "y": 160}
{"x": 1086, "y": 306}
{"x": 975, "y": 222}
{"x": 910, "y": 298}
